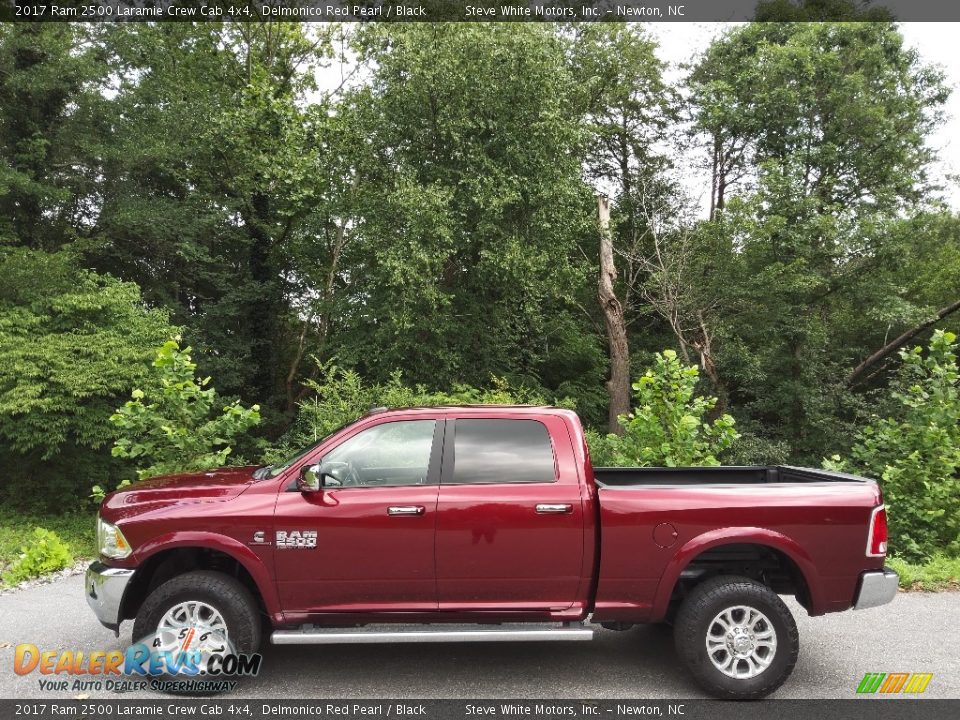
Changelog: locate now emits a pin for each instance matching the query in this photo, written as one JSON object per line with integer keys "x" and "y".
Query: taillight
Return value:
{"x": 877, "y": 537}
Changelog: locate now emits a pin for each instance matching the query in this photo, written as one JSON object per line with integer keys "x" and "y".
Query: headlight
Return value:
{"x": 110, "y": 540}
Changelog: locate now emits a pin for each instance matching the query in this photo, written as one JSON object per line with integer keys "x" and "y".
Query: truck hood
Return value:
{"x": 206, "y": 486}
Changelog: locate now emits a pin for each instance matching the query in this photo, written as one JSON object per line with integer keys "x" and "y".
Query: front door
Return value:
{"x": 509, "y": 525}
{"x": 374, "y": 526}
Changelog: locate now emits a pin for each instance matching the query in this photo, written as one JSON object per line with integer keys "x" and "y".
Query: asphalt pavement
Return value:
{"x": 918, "y": 632}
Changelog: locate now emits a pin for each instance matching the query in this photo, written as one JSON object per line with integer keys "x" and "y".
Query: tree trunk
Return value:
{"x": 704, "y": 348}
{"x": 618, "y": 386}
{"x": 714, "y": 177}
{"x": 899, "y": 342}
{"x": 323, "y": 318}
{"x": 264, "y": 309}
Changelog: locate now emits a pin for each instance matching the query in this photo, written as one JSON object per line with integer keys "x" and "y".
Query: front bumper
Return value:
{"x": 877, "y": 587}
{"x": 105, "y": 587}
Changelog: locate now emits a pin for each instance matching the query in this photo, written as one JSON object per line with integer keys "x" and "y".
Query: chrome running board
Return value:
{"x": 312, "y": 635}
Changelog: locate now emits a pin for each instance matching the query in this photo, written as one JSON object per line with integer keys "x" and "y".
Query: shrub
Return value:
{"x": 45, "y": 554}
{"x": 755, "y": 449}
{"x": 177, "y": 423}
{"x": 72, "y": 344}
{"x": 667, "y": 425}
{"x": 341, "y": 396}
{"x": 916, "y": 455}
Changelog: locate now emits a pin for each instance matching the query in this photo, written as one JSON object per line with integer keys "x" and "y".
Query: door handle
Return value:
{"x": 554, "y": 508}
{"x": 405, "y": 510}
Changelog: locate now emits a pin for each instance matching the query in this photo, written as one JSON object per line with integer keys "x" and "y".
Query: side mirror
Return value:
{"x": 309, "y": 479}
{"x": 313, "y": 478}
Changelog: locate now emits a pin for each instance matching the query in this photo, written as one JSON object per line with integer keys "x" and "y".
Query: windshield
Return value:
{"x": 269, "y": 471}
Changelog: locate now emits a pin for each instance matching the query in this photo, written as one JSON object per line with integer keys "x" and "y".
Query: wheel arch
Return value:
{"x": 173, "y": 554}
{"x": 795, "y": 559}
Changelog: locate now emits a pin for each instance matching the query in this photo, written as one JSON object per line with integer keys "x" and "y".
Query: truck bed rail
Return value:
{"x": 620, "y": 477}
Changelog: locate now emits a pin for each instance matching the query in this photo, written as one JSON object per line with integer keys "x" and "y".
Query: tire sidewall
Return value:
{"x": 695, "y": 621}
{"x": 236, "y": 606}
{"x": 221, "y": 592}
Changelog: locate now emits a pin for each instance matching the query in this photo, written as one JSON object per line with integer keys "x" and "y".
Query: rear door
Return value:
{"x": 509, "y": 524}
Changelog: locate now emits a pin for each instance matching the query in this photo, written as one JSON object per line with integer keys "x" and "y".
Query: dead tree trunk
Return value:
{"x": 618, "y": 386}
{"x": 898, "y": 342}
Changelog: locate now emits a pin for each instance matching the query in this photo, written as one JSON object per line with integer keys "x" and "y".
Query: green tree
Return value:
{"x": 51, "y": 124}
{"x": 668, "y": 425}
{"x": 914, "y": 285}
{"x": 208, "y": 187}
{"x": 434, "y": 216}
{"x": 817, "y": 134}
{"x": 915, "y": 452}
{"x": 176, "y": 422}
{"x": 472, "y": 210}
{"x": 72, "y": 343}
{"x": 819, "y": 11}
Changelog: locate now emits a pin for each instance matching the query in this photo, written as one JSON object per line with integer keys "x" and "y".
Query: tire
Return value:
{"x": 742, "y": 643}
{"x": 221, "y": 593}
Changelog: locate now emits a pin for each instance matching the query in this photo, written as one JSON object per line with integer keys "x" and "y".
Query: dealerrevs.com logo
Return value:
{"x": 191, "y": 661}
{"x": 894, "y": 683}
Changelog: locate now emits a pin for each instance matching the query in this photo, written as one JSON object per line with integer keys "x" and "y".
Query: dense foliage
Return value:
{"x": 817, "y": 139}
{"x": 341, "y": 396}
{"x": 72, "y": 344}
{"x": 915, "y": 452}
{"x": 417, "y": 201}
{"x": 177, "y": 422}
{"x": 668, "y": 426}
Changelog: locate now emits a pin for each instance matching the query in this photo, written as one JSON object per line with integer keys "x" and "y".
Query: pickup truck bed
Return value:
{"x": 800, "y": 529}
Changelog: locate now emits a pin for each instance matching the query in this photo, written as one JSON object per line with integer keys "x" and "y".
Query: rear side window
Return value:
{"x": 502, "y": 451}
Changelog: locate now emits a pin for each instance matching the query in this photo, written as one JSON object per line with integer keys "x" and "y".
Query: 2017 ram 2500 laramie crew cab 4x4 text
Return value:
{"x": 492, "y": 516}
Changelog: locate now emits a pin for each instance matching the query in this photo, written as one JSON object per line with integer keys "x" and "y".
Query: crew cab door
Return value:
{"x": 510, "y": 524}
{"x": 374, "y": 531}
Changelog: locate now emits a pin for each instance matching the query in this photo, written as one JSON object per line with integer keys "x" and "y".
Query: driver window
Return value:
{"x": 393, "y": 453}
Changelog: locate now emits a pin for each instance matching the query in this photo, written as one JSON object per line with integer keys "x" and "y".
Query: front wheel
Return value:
{"x": 736, "y": 637}
{"x": 203, "y": 612}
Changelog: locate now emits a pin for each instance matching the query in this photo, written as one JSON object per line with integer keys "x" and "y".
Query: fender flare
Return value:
{"x": 228, "y": 546}
{"x": 736, "y": 535}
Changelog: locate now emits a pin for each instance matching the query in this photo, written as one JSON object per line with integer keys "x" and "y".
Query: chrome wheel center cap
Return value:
{"x": 743, "y": 644}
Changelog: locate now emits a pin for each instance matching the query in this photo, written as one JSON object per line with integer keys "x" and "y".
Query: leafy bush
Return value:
{"x": 72, "y": 344}
{"x": 667, "y": 425}
{"x": 341, "y": 396}
{"x": 45, "y": 554}
{"x": 176, "y": 423}
{"x": 754, "y": 449}
{"x": 916, "y": 455}
{"x": 77, "y": 530}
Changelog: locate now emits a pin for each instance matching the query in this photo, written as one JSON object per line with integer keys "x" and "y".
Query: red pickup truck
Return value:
{"x": 488, "y": 523}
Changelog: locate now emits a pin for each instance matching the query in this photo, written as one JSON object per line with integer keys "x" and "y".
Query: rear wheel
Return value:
{"x": 736, "y": 637}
